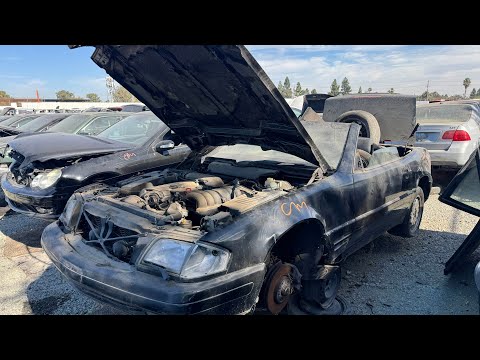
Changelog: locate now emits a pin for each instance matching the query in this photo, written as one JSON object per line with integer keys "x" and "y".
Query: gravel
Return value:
{"x": 392, "y": 275}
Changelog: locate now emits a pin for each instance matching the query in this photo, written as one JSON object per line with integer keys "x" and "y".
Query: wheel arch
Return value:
{"x": 425, "y": 184}
{"x": 307, "y": 234}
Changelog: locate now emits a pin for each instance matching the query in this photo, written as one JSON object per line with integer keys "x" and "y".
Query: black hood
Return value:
{"x": 209, "y": 95}
{"x": 47, "y": 146}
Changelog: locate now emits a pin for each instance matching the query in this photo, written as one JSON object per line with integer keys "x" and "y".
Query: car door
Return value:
{"x": 146, "y": 157}
{"x": 463, "y": 193}
{"x": 382, "y": 192}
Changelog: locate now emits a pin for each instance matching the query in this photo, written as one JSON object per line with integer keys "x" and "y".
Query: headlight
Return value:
{"x": 45, "y": 180}
{"x": 187, "y": 260}
{"x": 71, "y": 213}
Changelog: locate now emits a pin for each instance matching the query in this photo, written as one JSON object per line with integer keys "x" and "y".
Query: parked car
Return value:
{"x": 134, "y": 108}
{"x": 48, "y": 167}
{"x": 262, "y": 212}
{"x": 7, "y": 111}
{"x": 83, "y": 124}
{"x": 8, "y": 126}
{"x": 463, "y": 193}
{"x": 4, "y": 117}
{"x": 449, "y": 130}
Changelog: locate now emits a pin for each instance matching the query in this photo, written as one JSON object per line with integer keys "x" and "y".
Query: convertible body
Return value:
{"x": 264, "y": 208}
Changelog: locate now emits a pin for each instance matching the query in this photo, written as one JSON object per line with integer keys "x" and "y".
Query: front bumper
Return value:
{"x": 42, "y": 203}
{"x": 123, "y": 286}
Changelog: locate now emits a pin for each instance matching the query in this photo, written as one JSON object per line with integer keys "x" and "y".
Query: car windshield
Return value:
{"x": 135, "y": 129}
{"x": 71, "y": 124}
{"x": 297, "y": 112}
{"x": 329, "y": 138}
{"x": 14, "y": 119}
{"x": 38, "y": 123}
{"x": 444, "y": 113}
{"x": 254, "y": 153}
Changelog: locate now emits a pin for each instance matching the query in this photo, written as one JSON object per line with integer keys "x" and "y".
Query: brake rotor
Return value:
{"x": 279, "y": 287}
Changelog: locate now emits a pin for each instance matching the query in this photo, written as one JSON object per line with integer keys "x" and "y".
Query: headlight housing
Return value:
{"x": 45, "y": 180}
{"x": 71, "y": 213}
{"x": 187, "y": 260}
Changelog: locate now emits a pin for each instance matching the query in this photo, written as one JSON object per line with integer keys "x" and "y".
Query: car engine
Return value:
{"x": 186, "y": 202}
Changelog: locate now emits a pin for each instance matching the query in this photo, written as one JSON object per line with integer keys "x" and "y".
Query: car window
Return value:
{"x": 444, "y": 113}
{"x": 24, "y": 121}
{"x": 99, "y": 124}
{"x": 135, "y": 129}
{"x": 72, "y": 123}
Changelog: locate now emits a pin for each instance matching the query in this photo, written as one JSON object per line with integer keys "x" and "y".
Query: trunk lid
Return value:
{"x": 429, "y": 136}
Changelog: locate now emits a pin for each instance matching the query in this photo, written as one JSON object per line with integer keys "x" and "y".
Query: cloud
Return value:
{"x": 405, "y": 68}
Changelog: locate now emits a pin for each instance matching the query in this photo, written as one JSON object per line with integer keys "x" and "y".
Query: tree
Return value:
{"x": 360, "y": 90}
{"x": 123, "y": 95}
{"x": 298, "y": 90}
{"x": 3, "y": 94}
{"x": 93, "y": 97}
{"x": 306, "y": 91}
{"x": 334, "y": 88}
{"x": 346, "y": 89}
{"x": 65, "y": 95}
{"x": 287, "y": 90}
{"x": 280, "y": 88}
{"x": 314, "y": 91}
{"x": 466, "y": 84}
{"x": 478, "y": 92}
{"x": 473, "y": 94}
{"x": 369, "y": 90}
{"x": 391, "y": 91}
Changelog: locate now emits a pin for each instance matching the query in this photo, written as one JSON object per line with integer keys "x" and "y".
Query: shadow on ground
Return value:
{"x": 441, "y": 178}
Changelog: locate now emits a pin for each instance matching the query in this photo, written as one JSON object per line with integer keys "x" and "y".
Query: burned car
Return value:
{"x": 260, "y": 214}
{"x": 48, "y": 167}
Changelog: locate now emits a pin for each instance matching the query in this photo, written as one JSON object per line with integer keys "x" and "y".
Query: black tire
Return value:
{"x": 296, "y": 307}
{"x": 3, "y": 202}
{"x": 411, "y": 223}
{"x": 368, "y": 122}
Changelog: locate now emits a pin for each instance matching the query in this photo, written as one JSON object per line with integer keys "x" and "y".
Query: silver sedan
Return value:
{"x": 450, "y": 131}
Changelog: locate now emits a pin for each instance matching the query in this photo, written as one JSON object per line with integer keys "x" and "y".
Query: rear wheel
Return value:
{"x": 369, "y": 127}
{"x": 412, "y": 220}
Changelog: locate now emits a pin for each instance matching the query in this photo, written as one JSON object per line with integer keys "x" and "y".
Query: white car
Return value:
{"x": 450, "y": 131}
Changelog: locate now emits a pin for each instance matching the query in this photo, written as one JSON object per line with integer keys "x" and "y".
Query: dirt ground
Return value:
{"x": 391, "y": 276}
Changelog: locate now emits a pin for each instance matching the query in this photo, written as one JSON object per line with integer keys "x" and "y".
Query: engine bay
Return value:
{"x": 196, "y": 200}
{"x": 184, "y": 204}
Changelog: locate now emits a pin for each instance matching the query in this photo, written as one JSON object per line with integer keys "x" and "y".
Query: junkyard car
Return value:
{"x": 449, "y": 130}
{"x": 48, "y": 167}
{"x": 261, "y": 213}
{"x": 9, "y": 126}
{"x": 85, "y": 124}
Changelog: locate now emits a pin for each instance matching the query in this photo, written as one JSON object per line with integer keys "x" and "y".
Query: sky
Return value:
{"x": 50, "y": 68}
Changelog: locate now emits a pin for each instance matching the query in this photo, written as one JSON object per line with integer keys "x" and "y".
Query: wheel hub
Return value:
{"x": 279, "y": 287}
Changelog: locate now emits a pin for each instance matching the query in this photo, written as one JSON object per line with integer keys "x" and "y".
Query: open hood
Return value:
{"x": 209, "y": 95}
{"x": 47, "y": 146}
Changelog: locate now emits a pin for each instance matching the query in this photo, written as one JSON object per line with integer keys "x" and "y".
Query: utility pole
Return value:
{"x": 428, "y": 83}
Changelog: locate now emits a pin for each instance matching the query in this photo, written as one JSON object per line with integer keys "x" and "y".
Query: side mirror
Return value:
{"x": 164, "y": 145}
